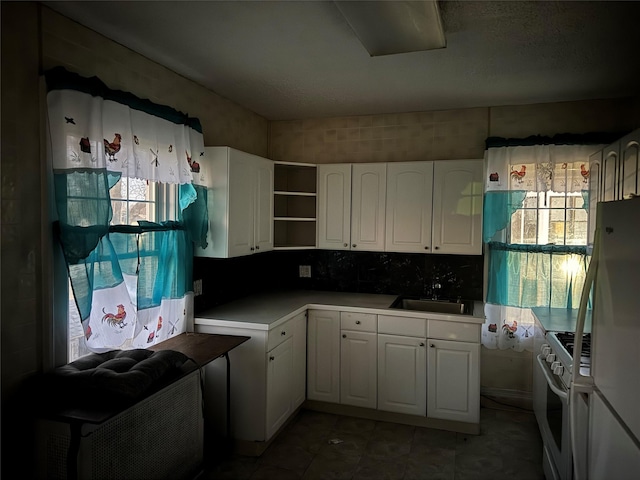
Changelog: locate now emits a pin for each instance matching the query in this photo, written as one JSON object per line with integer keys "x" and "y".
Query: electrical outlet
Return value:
{"x": 197, "y": 287}
{"x": 305, "y": 271}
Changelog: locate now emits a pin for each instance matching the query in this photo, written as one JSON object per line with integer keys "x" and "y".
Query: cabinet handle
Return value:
{"x": 357, "y": 322}
{"x": 283, "y": 333}
{"x": 346, "y": 244}
{"x": 257, "y": 247}
{"x": 437, "y": 248}
{"x": 252, "y": 249}
{"x": 432, "y": 345}
{"x": 272, "y": 358}
{"x": 344, "y": 336}
{"x": 421, "y": 344}
{"x": 426, "y": 247}
{"x": 354, "y": 245}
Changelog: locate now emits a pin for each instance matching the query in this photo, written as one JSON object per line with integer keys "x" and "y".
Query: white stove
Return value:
{"x": 553, "y": 366}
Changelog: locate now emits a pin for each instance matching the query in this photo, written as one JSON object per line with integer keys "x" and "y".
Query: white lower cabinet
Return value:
{"x": 453, "y": 381}
{"x": 402, "y": 375}
{"x": 268, "y": 379}
{"x": 323, "y": 356}
{"x": 279, "y": 388}
{"x": 358, "y": 369}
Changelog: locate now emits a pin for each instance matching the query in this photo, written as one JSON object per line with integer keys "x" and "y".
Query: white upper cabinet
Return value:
{"x": 334, "y": 206}
{"x": 630, "y": 164}
{"x": 610, "y": 166}
{"x": 368, "y": 199}
{"x": 409, "y": 207}
{"x": 351, "y": 210}
{"x": 240, "y": 203}
{"x": 457, "y": 207}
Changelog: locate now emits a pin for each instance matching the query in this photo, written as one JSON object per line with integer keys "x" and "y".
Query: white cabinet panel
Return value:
{"x": 409, "y": 207}
{"x": 402, "y": 376}
{"x": 240, "y": 203}
{"x": 263, "y": 223}
{"x": 334, "y": 206}
{"x": 323, "y": 356}
{"x": 630, "y": 164}
{"x": 299, "y": 384}
{"x": 453, "y": 387}
{"x": 279, "y": 373}
{"x": 457, "y": 207}
{"x": 368, "y": 203}
{"x": 610, "y": 167}
{"x": 358, "y": 369}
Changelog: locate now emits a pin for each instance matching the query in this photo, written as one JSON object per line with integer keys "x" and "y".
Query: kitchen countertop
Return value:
{"x": 268, "y": 310}
{"x": 560, "y": 319}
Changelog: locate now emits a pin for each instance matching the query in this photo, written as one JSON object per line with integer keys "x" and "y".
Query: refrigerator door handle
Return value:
{"x": 562, "y": 394}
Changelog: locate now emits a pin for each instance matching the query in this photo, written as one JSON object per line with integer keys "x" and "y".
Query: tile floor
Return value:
{"x": 509, "y": 447}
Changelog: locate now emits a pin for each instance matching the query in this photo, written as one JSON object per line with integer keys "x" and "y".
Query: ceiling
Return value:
{"x": 301, "y": 59}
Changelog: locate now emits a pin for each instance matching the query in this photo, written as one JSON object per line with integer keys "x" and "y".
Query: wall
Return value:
{"x": 21, "y": 284}
{"x": 438, "y": 135}
{"x": 35, "y": 38}
{"x": 449, "y": 135}
{"x": 67, "y": 43}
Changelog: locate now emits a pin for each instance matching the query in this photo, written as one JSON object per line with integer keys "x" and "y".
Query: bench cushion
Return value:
{"x": 116, "y": 377}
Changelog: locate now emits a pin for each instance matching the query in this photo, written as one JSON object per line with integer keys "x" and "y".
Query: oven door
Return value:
{"x": 552, "y": 413}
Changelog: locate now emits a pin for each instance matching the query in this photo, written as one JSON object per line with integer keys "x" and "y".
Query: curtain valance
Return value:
{"x": 93, "y": 127}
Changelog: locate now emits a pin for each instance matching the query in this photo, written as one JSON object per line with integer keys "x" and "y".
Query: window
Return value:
{"x": 550, "y": 218}
{"x": 132, "y": 199}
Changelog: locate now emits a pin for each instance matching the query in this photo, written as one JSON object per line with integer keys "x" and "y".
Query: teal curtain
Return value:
{"x": 497, "y": 209}
{"x": 536, "y": 275}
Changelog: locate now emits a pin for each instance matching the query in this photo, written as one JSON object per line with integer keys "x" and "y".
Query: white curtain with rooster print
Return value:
{"x": 131, "y": 283}
{"x": 527, "y": 258}
{"x": 89, "y": 132}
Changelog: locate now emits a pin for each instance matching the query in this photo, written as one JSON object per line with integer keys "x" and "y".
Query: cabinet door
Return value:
{"x": 595, "y": 183}
{"x": 457, "y": 207}
{"x": 408, "y": 212}
{"x": 358, "y": 369}
{"x": 368, "y": 203}
{"x": 241, "y": 203}
{"x": 263, "y": 219}
{"x": 323, "y": 356}
{"x": 402, "y": 374}
{"x": 334, "y": 206}
{"x": 630, "y": 164}
{"x": 453, "y": 381}
{"x": 610, "y": 164}
{"x": 279, "y": 370}
{"x": 299, "y": 387}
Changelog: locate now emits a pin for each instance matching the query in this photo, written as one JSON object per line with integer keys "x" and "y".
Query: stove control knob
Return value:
{"x": 558, "y": 369}
{"x": 551, "y": 357}
{"x": 545, "y": 350}
{"x": 554, "y": 365}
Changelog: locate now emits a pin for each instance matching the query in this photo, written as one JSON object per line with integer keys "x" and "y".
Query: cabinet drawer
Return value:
{"x": 462, "y": 332}
{"x": 362, "y": 322}
{"x": 408, "y": 326}
{"x": 279, "y": 335}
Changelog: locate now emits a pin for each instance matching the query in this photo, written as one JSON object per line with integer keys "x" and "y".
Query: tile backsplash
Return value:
{"x": 224, "y": 280}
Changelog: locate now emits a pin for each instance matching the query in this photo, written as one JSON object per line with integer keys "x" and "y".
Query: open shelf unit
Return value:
{"x": 294, "y": 206}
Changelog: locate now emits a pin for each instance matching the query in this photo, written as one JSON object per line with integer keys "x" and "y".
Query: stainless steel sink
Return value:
{"x": 435, "y": 306}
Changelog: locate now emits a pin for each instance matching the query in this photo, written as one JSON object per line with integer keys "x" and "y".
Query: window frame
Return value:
{"x": 545, "y": 225}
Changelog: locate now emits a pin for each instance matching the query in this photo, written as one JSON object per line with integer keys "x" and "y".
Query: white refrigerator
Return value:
{"x": 613, "y": 387}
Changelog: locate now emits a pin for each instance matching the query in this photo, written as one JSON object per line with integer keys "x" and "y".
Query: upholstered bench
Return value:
{"x": 122, "y": 414}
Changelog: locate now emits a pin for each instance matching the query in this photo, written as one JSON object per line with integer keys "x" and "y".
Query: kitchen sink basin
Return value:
{"x": 434, "y": 306}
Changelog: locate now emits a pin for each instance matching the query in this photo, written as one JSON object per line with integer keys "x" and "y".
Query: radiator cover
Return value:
{"x": 160, "y": 437}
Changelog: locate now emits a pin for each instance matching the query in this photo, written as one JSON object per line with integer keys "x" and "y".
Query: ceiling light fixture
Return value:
{"x": 390, "y": 27}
